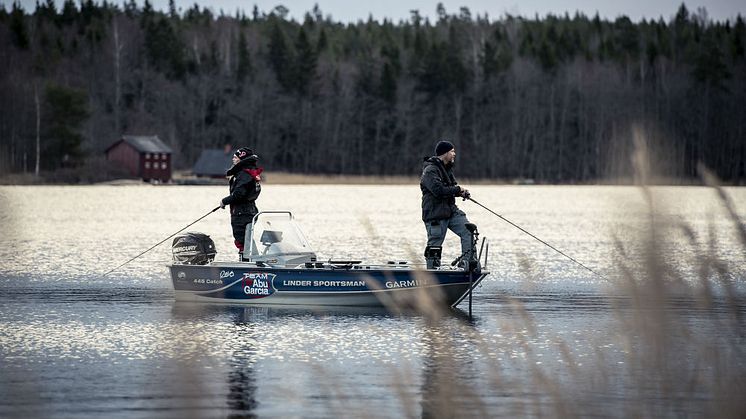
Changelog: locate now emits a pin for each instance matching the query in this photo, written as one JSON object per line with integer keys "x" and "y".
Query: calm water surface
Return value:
{"x": 548, "y": 337}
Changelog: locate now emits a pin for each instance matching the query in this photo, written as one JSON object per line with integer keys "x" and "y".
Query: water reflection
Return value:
{"x": 242, "y": 381}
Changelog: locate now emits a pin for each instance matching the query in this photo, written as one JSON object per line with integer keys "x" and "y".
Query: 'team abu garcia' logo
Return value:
{"x": 257, "y": 284}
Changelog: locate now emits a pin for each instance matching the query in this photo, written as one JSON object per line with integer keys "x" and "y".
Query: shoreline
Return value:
{"x": 286, "y": 178}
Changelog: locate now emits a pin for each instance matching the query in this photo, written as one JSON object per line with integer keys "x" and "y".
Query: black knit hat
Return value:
{"x": 243, "y": 152}
{"x": 443, "y": 147}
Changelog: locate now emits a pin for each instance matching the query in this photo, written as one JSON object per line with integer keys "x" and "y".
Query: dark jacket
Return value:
{"x": 244, "y": 187}
{"x": 439, "y": 190}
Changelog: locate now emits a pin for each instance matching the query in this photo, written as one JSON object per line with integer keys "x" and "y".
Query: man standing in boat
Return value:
{"x": 439, "y": 210}
{"x": 244, "y": 189}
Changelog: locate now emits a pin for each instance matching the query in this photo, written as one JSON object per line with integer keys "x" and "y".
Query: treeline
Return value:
{"x": 552, "y": 99}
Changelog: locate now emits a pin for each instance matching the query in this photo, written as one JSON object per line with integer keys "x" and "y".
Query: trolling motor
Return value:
{"x": 469, "y": 258}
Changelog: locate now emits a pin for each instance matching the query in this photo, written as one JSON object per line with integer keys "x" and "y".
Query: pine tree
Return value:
{"x": 172, "y": 12}
{"x": 388, "y": 85}
{"x": 457, "y": 74}
{"x": 323, "y": 42}
{"x": 69, "y": 13}
{"x": 737, "y": 39}
{"x": 130, "y": 9}
{"x": 47, "y": 11}
{"x": 165, "y": 50}
{"x": 280, "y": 57}
{"x": 18, "y": 29}
{"x": 244, "y": 58}
{"x": 710, "y": 67}
{"x": 305, "y": 64}
{"x": 495, "y": 56}
{"x": 65, "y": 111}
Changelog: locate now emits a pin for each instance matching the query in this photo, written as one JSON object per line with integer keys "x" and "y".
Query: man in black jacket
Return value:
{"x": 439, "y": 210}
{"x": 244, "y": 189}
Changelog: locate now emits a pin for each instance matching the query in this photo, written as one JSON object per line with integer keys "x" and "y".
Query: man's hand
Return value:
{"x": 465, "y": 193}
{"x": 221, "y": 204}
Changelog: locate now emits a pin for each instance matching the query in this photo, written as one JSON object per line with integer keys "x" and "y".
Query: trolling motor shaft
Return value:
{"x": 469, "y": 257}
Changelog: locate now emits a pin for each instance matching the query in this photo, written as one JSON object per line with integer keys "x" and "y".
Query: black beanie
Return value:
{"x": 443, "y": 147}
{"x": 243, "y": 153}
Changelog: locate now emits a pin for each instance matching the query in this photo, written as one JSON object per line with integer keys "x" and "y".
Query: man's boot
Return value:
{"x": 432, "y": 257}
{"x": 432, "y": 263}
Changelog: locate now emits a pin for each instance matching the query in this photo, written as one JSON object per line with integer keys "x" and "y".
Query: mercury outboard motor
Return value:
{"x": 193, "y": 249}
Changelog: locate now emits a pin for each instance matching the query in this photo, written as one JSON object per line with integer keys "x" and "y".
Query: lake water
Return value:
{"x": 548, "y": 338}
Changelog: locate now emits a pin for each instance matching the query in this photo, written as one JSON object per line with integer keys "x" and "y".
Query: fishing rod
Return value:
{"x": 156, "y": 245}
{"x": 542, "y": 241}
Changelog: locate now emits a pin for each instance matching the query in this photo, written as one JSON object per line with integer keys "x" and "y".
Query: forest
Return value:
{"x": 553, "y": 99}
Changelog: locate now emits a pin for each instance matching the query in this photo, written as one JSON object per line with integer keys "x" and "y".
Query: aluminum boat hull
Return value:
{"x": 357, "y": 285}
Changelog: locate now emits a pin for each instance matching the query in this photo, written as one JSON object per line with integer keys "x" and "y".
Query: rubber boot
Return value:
{"x": 432, "y": 257}
{"x": 432, "y": 263}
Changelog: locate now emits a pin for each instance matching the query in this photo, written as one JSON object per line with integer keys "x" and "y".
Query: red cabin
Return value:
{"x": 144, "y": 156}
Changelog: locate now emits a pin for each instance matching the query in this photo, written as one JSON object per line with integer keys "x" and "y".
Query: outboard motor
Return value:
{"x": 193, "y": 249}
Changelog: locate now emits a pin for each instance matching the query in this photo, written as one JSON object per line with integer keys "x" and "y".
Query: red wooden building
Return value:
{"x": 144, "y": 156}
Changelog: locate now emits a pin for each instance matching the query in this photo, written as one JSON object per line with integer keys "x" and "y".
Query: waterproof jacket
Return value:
{"x": 439, "y": 190}
{"x": 244, "y": 187}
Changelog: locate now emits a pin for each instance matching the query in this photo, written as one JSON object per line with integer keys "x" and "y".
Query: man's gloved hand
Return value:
{"x": 465, "y": 194}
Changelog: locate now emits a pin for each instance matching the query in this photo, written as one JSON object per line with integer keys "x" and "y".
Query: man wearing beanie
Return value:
{"x": 439, "y": 210}
{"x": 244, "y": 189}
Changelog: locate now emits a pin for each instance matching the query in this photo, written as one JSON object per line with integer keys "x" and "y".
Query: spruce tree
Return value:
{"x": 244, "y": 58}
{"x": 305, "y": 64}
{"x": 279, "y": 55}
{"x": 66, "y": 110}
{"x": 19, "y": 33}
{"x": 388, "y": 83}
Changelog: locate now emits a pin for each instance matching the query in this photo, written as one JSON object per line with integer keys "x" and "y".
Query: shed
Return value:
{"x": 213, "y": 163}
{"x": 144, "y": 156}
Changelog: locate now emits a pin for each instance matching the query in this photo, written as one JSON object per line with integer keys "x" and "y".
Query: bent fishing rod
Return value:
{"x": 540, "y": 240}
{"x": 160, "y": 242}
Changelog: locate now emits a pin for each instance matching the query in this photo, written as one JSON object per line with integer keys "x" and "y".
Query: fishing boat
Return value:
{"x": 280, "y": 267}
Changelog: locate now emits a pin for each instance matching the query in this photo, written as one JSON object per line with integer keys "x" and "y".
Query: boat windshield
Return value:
{"x": 277, "y": 234}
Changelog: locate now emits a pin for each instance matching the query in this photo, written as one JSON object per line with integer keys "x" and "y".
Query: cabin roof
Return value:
{"x": 144, "y": 144}
{"x": 213, "y": 162}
